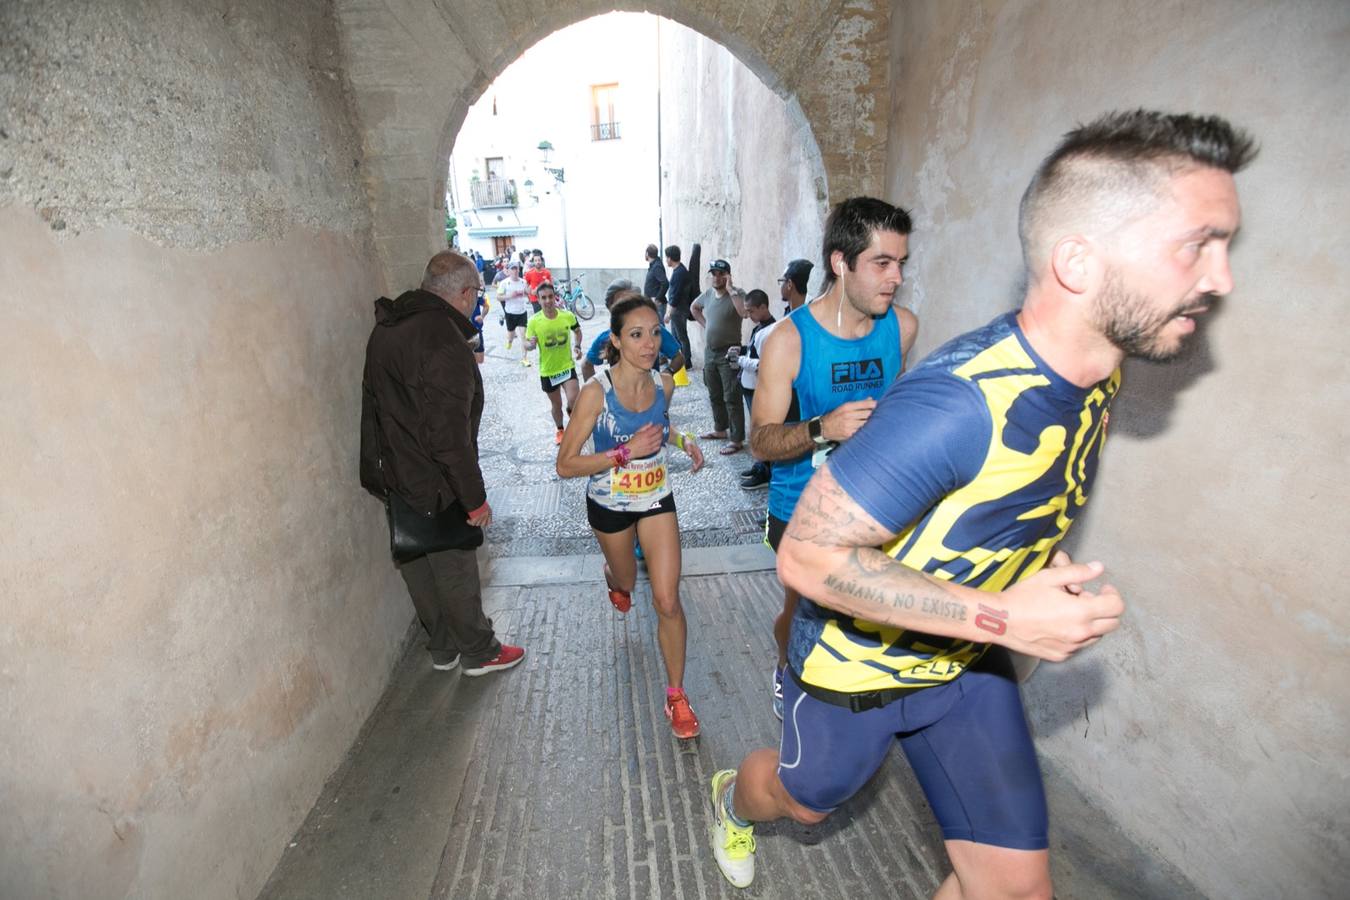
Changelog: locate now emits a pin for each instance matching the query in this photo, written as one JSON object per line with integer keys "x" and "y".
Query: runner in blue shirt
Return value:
{"x": 595, "y": 356}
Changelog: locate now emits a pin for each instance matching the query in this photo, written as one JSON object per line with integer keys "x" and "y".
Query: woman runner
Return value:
{"x": 625, "y": 411}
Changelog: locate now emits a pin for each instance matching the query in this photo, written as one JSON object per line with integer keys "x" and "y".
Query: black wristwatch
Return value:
{"x": 813, "y": 429}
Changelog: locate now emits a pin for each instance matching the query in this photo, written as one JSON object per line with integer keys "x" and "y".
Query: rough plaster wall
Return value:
{"x": 199, "y": 611}
{"x": 1213, "y": 728}
{"x": 145, "y": 114}
{"x": 417, "y": 65}
{"x": 743, "y": 175}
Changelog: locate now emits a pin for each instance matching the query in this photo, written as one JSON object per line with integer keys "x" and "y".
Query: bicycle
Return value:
{"x": 575, "y": 300}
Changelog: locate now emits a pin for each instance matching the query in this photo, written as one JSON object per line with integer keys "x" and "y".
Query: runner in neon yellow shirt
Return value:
{"x": 549, "y": 330}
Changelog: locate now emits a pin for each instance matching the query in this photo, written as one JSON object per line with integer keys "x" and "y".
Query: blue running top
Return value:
{"x": 643, "y": 483}
{"x": 832, "y": 371}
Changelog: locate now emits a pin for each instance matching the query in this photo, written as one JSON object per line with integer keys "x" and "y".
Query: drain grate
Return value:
{"x": 747, "y": 521}
{"x": 530, "y": 500}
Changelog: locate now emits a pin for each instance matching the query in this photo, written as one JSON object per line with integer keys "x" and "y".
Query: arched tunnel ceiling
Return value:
{"x": 416, "y": 66}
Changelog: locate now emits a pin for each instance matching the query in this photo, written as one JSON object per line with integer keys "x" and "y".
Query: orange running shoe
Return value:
{"x": 682, "y": 719}
{"x": 622, "y": 600}
{"x": 557, "y": 436}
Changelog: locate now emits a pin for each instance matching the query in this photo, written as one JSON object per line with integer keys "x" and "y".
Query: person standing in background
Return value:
{"x": 720, "y": 310}
{"x": 421, "y": 404}
{"x": 677, "y": 304}
{"x": 657, "y": 285}
{"x": 746, "y": 359}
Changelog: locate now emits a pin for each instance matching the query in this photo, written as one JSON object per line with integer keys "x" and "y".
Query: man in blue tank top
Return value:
{"x": 823, "y": 367}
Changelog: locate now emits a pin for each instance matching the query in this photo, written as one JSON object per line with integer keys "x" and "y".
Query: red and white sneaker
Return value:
{"x": 506, "y": 658}
{"x": 622, "y": 600}
{"x": 682, "y": 719}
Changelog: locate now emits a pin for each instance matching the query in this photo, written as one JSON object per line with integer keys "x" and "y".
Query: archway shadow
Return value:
{"x": 1150, "y": 390}
{"x": 1063, "y": 695}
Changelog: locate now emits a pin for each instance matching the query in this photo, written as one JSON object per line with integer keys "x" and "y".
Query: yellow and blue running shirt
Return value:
{"x": 979, "y": 459}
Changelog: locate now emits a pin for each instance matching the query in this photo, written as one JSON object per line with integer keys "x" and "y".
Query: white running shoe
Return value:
{"x": 733, "y": 845}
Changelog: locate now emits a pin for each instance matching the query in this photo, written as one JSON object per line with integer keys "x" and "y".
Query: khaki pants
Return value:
{"x": 724, "y": 394}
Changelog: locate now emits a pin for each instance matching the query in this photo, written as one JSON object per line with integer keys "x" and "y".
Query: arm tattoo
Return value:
{"x": 863, "y": 581}
{"x": 827, "y": 517}
{"x": 994, "y": 621}
{"x": 871, "y": 585}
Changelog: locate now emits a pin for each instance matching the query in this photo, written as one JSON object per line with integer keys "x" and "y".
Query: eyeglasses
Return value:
{"x": 782, "y": 281}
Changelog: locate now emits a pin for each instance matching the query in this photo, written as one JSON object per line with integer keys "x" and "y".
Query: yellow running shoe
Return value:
{"x": 733, "y": 845}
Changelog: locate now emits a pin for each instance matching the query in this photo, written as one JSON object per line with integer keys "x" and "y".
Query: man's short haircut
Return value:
{"x": 673, "y": 252}
{"x": 756, "y": 298}
{"x": 546, "y": 285}
{"x": 1116, "y": 168}
{"x": 799, "y": 273}
{"x": 652, "y": 251}
{"x": 851, "y": 225}
{"x": 448, "y": 273}
{"x": 615, "y": 287}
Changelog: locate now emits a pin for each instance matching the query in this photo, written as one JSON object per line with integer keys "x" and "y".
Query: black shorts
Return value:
{"x": 517, "y": 320}
{"x": 608, "y": 521}
{"x": 773, "y": 531}
{"x": 550, "y": 388}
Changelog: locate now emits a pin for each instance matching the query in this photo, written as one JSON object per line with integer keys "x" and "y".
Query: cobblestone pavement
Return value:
{"x": 561, "y": 779}
{"x": 576, "y": 787}
{"x": 536, "y": 513}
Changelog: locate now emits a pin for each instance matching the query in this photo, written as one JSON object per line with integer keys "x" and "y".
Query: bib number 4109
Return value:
{"x": 641, "y": 482}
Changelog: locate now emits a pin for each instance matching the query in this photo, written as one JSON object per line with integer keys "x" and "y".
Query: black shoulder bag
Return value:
{"x": 413, "y": 533}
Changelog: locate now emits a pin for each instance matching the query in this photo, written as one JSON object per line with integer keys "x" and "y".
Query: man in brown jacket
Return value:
{"x": 422, "y": 400}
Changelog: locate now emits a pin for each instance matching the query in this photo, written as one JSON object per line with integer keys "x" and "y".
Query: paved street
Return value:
{"x": 539, "y": 514}
{"x": 561, "y": 778}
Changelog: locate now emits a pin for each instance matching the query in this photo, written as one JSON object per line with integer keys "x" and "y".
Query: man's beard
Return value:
{"x": 1127, "y": 321}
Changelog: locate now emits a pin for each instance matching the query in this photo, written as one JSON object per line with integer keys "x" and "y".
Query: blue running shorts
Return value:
{"x": 966, "y": 740}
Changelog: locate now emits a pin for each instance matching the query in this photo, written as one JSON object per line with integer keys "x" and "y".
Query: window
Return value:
{"x": 604, "y": 112}
{"x": 496, "y": 168}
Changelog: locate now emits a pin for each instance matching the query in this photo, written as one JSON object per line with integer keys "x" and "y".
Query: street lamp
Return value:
{"x": 559, "y": 179}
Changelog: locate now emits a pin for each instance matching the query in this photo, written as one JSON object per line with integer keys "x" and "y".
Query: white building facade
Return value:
{"x": 589, "y": 91}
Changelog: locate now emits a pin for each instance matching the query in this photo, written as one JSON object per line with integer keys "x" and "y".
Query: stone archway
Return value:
{"x": 408, "y": 61}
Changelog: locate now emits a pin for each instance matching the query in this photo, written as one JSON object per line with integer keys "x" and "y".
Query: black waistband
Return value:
{"x": 859, "y": 701}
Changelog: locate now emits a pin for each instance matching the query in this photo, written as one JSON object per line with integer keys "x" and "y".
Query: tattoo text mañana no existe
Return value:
{"x": 939, "y": 607}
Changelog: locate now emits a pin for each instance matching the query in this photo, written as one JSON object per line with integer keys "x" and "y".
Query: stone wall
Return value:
{"x": 415, "y": 66}
{"x": 199, "y": 610}
{"x": 1212, "y": 729}
{"x": 742, "y": 174}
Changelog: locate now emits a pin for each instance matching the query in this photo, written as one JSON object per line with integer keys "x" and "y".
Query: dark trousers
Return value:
{"x": 679, "y": 326}
{"x": 724, "y": 394}
{"x": 749, "y": 395}
{"x": 445, "y": 590}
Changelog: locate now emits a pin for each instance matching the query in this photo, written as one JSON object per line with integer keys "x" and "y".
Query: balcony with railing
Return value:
{"x": 493, "y": 192}
{"x": 605, "y": 131}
